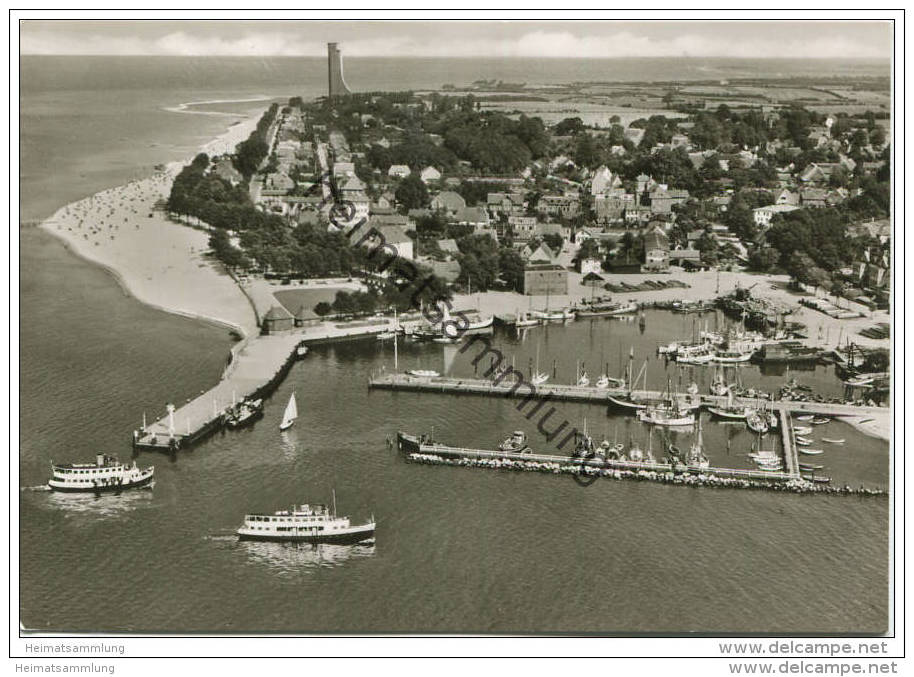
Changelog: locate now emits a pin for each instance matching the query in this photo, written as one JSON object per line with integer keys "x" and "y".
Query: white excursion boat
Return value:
{"x": 107, "y": 474}
{"x": 304, "y": 524}
{"x": 290, "y": 414}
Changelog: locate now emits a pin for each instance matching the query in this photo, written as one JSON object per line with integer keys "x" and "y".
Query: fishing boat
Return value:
{"x": 305, "y": 524}
{"x": 290, "y": 414}
{"x": 719, "y": 385}
{"x": 524, "y": 319}
{"x": 804, "y": 417}
{"x": 731, "y": 411}
{"x": 244, "y": 413}
{"x": 301, "y": 351}
{"x": 696, "y": 456}
{"x": 516, "y": 443}
{"x": 480, "y": 322}
{"x": 627, "y": 401}
{"x": 605, "y": 382}
{"x": 802, "y": 430}
{"x": 802, "y": 441}
{"x": 423, "y": 373}
{"x": 668, "y": 349}
{"x": 821, "y": 420}
{"x": 756, "y": 422}
{"x": 670, "y": 414}
{"x": 386, "y": 335}
{"x": 107, "y": 474}
{"x": 695, "y": 353}
{"x": 833, "y": 441}
{"x": 553, "y": 315}
{"x": 584, "y": 379}
{"x": 732, "y": 356}
{"x": 608, "y": 310}
{"x": 811, "y": 452}
{"x": 811, "y": 466}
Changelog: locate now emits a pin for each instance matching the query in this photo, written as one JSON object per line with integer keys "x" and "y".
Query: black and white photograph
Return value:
{"x": 474, "y": 326}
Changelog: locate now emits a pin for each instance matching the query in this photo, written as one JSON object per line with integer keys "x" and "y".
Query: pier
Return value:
{"x": 592, "y": 395}
{"x": 256, "y": 371}
{"x": 257, "y": 367}
{"x": 791, "y": 460}
{"x": 603, "y": 464}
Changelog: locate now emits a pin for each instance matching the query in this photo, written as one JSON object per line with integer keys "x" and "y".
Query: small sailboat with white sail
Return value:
{"x": 538, "y": 377}
{"x": 290, "y": 414}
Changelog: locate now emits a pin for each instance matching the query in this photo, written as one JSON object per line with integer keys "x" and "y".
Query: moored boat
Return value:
{"x": 423, "y": 373}
{"x": 244, "y": 413}
{"x": 608, "y": 310}
{"x": 833, "y": 441}
{"x": 811, "y": 452}
{"x": 107, "y": 474}
{"x": 517, "y": 443}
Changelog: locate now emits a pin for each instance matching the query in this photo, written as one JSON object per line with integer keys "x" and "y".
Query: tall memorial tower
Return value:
{"x": 337, "y": 85}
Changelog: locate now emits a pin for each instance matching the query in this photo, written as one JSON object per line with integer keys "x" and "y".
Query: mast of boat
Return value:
{"x": 396, "y": 332}
{"x": 333, "y": 491}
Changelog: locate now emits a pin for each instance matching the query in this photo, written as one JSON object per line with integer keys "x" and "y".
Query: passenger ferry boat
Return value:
{"x": 304, "y": 524}
{"x": 105, "y": 475}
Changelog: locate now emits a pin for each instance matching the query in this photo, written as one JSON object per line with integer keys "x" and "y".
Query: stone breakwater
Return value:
{"x": 797, "y": 486}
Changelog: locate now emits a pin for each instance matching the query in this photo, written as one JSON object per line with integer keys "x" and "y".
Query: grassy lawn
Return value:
{"x": 292, "y": 299}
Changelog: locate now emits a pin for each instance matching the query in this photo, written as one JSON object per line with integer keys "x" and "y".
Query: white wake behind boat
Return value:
{"x": 290, "y": 414}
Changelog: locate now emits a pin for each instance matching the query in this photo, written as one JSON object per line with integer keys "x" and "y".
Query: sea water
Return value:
{"x": 456, "y": 549}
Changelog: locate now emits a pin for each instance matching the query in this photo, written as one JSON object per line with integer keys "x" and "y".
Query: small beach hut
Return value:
{"x": 276, "y": 320}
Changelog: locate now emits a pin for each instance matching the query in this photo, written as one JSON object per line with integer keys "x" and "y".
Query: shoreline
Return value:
{"x": 139, "y": 243}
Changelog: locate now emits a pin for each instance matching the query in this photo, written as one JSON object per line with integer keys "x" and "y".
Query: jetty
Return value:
{"x": 788, "y": 442}
{"x": 445, "y": 451}
{"x": 590, "y": 394}
{"x": 257, "y": 367}
{"x": 255, "y": 372}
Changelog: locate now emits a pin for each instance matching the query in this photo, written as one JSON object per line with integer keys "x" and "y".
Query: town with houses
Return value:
{"x": 489, "y": 200}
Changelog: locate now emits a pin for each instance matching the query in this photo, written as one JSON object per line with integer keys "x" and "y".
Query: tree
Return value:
{"x": 568, "y": 127}
{"x": 412, "y": 193}
{"x": 763, "y": 259}
{"x": 512, "y": 268}
{"x": 877, "y": 137}
{"x": 554, "y": 241}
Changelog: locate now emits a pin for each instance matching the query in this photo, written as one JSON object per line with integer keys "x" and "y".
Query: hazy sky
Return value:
{"x": 463, "y": 39}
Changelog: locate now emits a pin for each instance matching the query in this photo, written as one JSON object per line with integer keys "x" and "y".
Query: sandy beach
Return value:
{"x": 160, "y": 262}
